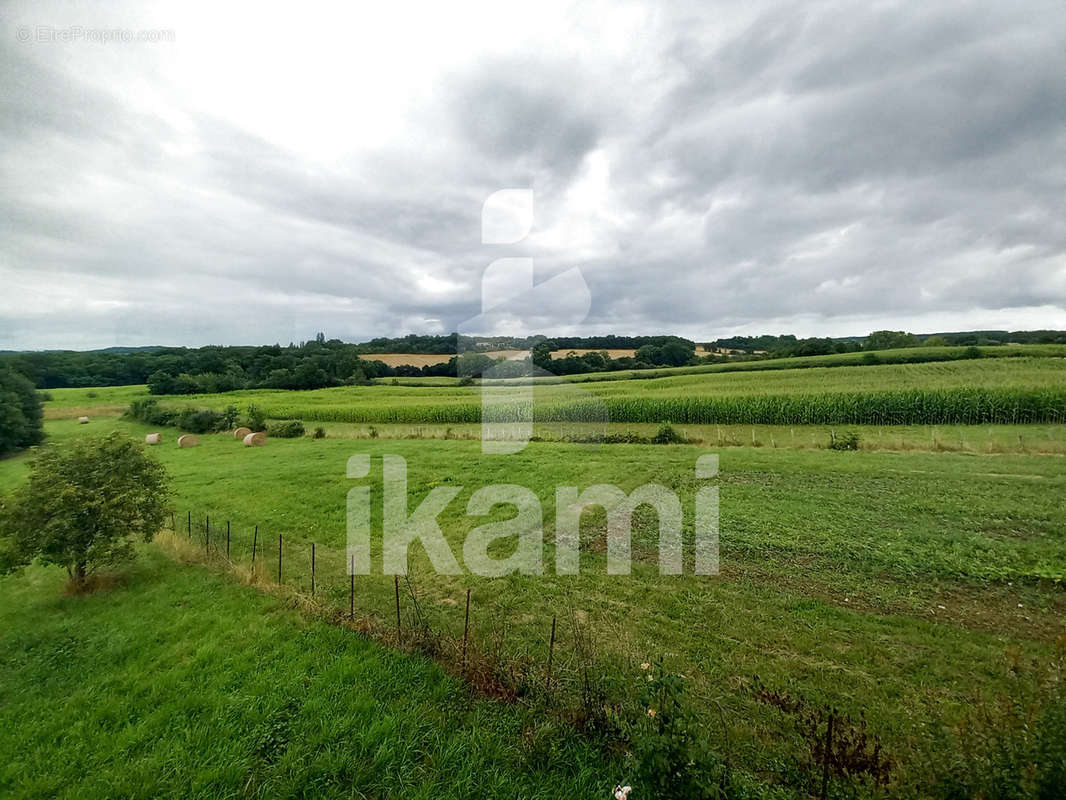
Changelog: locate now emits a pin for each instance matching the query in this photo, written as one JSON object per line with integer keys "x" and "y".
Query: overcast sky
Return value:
{"x": 710, "y": 168}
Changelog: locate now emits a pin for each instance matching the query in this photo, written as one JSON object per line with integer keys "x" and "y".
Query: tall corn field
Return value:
{"x": 906, "y": 407}
{"x": 1002, "y": 391}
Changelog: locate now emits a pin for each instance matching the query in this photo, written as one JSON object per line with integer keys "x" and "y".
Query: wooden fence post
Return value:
{"x": 351, "y": 590}
{"x": 551, "y": 652}
{"x": 466, "y": 631}
{"x": 396, "y": 584}
{"x": 826, "y": 755}
{"x": 255, "y": 541}
{"x": 188, "y": 524}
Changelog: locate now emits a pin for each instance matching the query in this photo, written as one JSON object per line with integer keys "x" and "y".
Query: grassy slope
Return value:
{"x": 180, "y": 683}
{"x": 874, "y": 579}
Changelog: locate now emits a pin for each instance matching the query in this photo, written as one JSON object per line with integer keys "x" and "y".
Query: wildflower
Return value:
{"x": 645, "y": 666}
{"x": 651, "y": 712}
{"x": 622, "y": 792}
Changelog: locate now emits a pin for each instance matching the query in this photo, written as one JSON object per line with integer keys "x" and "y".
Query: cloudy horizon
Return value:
{"x": 711, "y": 170}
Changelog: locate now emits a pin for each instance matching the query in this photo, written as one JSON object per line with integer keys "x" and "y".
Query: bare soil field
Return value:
{"x": 429, "y": 359}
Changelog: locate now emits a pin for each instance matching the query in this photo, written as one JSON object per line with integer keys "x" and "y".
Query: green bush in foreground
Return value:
{"x": 671, "y": 745}
{"x": 1014, "y": 746}
{"x": 84, "y": 505}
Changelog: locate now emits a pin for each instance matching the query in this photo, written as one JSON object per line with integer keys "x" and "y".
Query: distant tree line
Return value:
{"x": 788, "y": 345}
{"x": 321, "y": 363}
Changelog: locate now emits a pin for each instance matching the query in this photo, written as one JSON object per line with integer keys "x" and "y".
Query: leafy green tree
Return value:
{"x": 160, "y": 382}
{"x": 649, "y": 354}
{"x": 677, "y": 353}
{"x": 889, "y": 340}
{"x": 935, "y": 341}
{"x": 542, "y": 355}
{"x": 84, "y": 505}
{"x": 20, "y": 412}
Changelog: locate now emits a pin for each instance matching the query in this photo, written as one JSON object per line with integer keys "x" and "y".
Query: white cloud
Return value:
{"x": 710, "y": 169}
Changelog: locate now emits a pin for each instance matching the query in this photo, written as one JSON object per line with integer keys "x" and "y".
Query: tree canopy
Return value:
{"x": 20, "y": 412}
{"x": 84, "y": 505}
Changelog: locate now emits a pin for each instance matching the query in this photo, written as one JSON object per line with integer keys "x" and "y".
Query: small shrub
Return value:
{"x": 45, "y": 397}
{"x": 466, "y": 380}
{"x": 834, "y": 747}
{"x": 972, "y": 352}
{"x": 230, "y": 415}
{"x": 286, "y": 429}
{"x": 667, "y": 434}
{"x": 847, "y": 441}
{"x": 870, "y": 358}
{"x": 359, "y": 378}
{"x": 629, "y": 437}
{"x": 1015, "y": 746}
{"x": 90, "y": 394}
{"x": 670, "y": 744}
{"x": 199, "y": 420}
{"x": 320, "y": 433}
{"x": 149, "y": 412}
{"x": 373, "y": 432}
{"x": 194, "y": 420}
{"x": 255, "y": 418}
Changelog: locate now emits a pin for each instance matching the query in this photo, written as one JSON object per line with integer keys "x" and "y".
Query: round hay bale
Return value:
{"x": 83, "y": 420}
{"x": 188, "y": 440}
{"x": 240, "y": 433}
{"x": 255, "y": 440}
{"x": 153, "y": 438}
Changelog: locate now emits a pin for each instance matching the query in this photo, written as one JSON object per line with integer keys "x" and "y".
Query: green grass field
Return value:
{"x": 874, "y": 578}
{"x": 908, "y": 582}
{"x": 178, "y": 683}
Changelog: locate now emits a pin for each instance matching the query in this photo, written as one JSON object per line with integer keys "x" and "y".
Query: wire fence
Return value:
{"x": 551, "y": 655}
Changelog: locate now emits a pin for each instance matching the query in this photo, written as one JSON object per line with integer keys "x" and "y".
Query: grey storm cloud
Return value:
{"x": 823, "y": 169}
